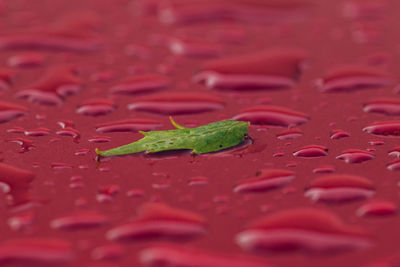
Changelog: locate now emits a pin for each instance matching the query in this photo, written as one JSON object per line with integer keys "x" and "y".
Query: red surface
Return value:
{"x": 80, "y": 75}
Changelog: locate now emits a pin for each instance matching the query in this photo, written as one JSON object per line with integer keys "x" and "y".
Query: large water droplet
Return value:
{"x": 355, "y": 156}
{"x": 272, "y": 115}
{"x": 387, "y": 128}
{"x": 388, "y": 106}
{"x": 302, "y": 229}
{"x": 160, "y": 220}
{"x": 9, "y": 111}
{"x": 269, "y": 69}
{"x": 311, "y": 151}
{"x": 340, "y": 187}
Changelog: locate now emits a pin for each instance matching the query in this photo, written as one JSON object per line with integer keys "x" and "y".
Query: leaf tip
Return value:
{"x": 175, "y": 124}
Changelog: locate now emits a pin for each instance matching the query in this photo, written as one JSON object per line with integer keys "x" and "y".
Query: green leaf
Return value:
{"x": 203, "y": 139}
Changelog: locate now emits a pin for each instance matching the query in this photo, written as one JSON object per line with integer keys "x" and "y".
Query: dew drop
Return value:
{"x": 388, "y": 106}
{"x": 351, "y": 156}
{"x": 272, "y": 115}
{"x": 86, "y": 220}
{"x": 339, "y": 134}
{"x": 311, "y": 151}
{"x": 9, "y": 111}
{"x": 269, "y": 69}
{"x": 339, "y": 188}
{"x": 377, "y": 208}
{"x": 386, "y": 128}
{"x": 265, "y": 180}
{"x": 141, "y": 84}
{"x": 96, "y": 107}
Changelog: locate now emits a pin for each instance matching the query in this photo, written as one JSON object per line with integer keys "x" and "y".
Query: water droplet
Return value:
{"x": 26, "y": 60}
{"x": 324, "y": 169}
{"x": 302, "y": 229}
{"x": 339, "y": 188}
{"x": 26, "y": 144}
{"x": 272, "y": 115}
{"x": 292, "y": 133}
{"x": 39, "y": 251}
{"x": 269, "y": 69}
{"x": 38, "y": 132}
{"x": 141, "y": 84}
{"x": 129, "y": 125}
{"x": 388, "y": 106}
{"x": 198, "y": 181}
{"x": 265, "y": 180}
{"x": 194, "y": 47}
{"x": 68, "y": 131}
{"x": 387, "y": 128}
{"x": 355, "y": 156}
{"x": 56, "y": 84}
{"x": 107, "y": 252}
{"x": 96, "y": 107}
{"x": 21, "y": 221}
{"x": 178, "y": 103}
{"x": 6, "y": 78}
{"x": 339, "y": 134}
{"x": 9, "y": 111}
{"x": 172, "y": 255}
{"x": 61, "y": 166}
{"x": 377, "y": 208}
{"x": 99, "y": 139}
{"x": 67, "y": 35}
{"x": 86, "y": 220}
{"x": 311, "y": 151}
{"x": 159, "y": 220}
{"x": 354, "y": 77}
{"x": 395, "y": 152}
{"x": 255, "y": 11}
{"x": 394, "y": 165}
{"x": 18, "y": 182}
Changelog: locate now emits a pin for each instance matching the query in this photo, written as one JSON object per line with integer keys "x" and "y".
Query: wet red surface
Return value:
{"x": 316, "y": 186}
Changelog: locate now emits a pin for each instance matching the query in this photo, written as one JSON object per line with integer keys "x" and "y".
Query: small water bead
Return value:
{"x": 376, "y": 142}
{"x": 198, "y": 181}
{"x": 194, "y": 47}
{"x": 272, "y": 115}
{"x": 61, "y": 166}
{"x": 386, "y": 128}
{"x": 39, "y": 251}
{"x": 99, "y": 139}
{"x": 76, "y": 221}
{"x": 135, "y": 192}
{"x": 339, "y": 134}
{"x": 96, "y": 107}
{"x": 128, "y": 125}
{"x": 174, "y": 255}
{"x": 377, "y": 208}
{"x": 66, "y": 124}
{"x": 311, "y": 151}
{"x": 395, "y": 152}
{"x": 387, "y": 106}
{"x": 21, "y": 222}
{"x": 265, "y": 179}
{"x": 82, "y": 152}
{"x": 107, "y": 252}
{"x": 178, "y": 103}
{"x": 38, "y": 132}
{"x": 324, "y": 169}
{"x": 304, "y": 229}
{"x": 55, "y": 85}
{"x": 16, "y": 129}
{"x": 291, "y": 133}
{"x": 352, "y": 156}
{"x": 111, "y": 190}
{"x": 139, "y": 84}
{"x": 349, "y": 78}
{"x": 26, "y": 144}
{"x": 339, "y": 188}
{"x": 71, "y": 132}
{"x": 159, "y": 220}
{"x": 270, "y": 69}
{"x": 394, "y": 165}
{"x": 9, "y": 111}
{"x": 26, "y": 60}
